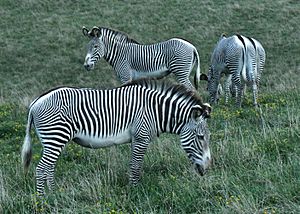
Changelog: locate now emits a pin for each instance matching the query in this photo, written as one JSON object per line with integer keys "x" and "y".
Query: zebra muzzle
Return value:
{"x": 200, "y": 169}
{"x": 88, "y": 67}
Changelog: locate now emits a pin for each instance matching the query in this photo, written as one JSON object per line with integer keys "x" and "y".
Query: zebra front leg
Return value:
{"x": 125, "y": 74}
{"x": 139, "y": 148}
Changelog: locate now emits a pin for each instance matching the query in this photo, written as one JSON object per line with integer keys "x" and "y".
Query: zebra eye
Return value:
{"x": 200, "y": 137}
{"x": 96, "y": 46}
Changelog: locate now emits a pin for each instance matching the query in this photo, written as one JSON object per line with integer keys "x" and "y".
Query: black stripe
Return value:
{"x": 242, "y": 40}
{"x": 253, "y": 43}
{"x": 166, "y": 110}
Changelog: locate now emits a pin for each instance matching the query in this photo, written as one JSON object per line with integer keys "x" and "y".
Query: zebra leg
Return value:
{"x": 239, "y": 93}
{"x": 227, "y": 90}
{"x": 50, "y": 177}
{"x": 125, "y": 74}
{"x": 255, "y": 94}
{"x": 40, "y": 177}
{"x": 182, "y": 73}
{"x": 139, "y": 147}
{"x": 45, "y": 167}
{"x": 184, "y": 80}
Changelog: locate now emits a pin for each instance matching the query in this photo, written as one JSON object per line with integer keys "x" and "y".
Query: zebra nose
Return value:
{"x": 200, "y": 169}
{"x": 87, "y": 66}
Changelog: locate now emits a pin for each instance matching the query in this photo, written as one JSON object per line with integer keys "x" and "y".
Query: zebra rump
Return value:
{"x": 242, "y": 60}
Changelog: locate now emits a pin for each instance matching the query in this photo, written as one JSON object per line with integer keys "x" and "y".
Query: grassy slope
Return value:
{"x": 256, "y": 153}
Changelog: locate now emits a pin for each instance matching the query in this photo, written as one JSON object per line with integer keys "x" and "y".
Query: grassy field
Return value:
{"x": 256, "y": 153}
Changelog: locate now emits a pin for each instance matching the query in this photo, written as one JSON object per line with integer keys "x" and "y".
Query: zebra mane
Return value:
{"x": 119, "y": 36}
{"x": 167, "y": 87}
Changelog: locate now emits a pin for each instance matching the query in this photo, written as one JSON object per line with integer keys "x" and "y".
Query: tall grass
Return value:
{"x": 256, "y": 153}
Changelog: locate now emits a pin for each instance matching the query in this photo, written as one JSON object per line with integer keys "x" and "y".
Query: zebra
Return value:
{"x": 132, "y": 60}
{"x": 136, "y": 112}
{"x": 242, "y": 60}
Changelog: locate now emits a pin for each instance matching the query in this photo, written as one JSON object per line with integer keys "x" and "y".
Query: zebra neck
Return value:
{"x": 112, "y": 51}
{"x": 172, "y": 126}
{"x": 171, "y": 116}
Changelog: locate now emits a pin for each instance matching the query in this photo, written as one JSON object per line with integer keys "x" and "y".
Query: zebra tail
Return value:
{"x": 198, "y": 72}
{"x": 26, "y": 153}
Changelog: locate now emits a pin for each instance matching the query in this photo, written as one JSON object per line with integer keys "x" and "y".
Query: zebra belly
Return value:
{"x": 158, "y": 73}
{"x": 99, "y": 142}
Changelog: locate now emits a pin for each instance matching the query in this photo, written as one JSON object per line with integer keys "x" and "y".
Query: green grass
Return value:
{"x": 256, "y": 153}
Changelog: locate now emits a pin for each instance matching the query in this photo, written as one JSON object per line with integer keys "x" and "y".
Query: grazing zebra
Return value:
{"x": 132, "y": 60}
{"x": 242, "y": 60}
{"x": 136, "y": 113}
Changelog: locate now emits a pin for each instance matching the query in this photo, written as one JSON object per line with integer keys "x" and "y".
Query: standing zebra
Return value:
{"x": 242, "y": 60}
{"x": 136, "y": 113}
{"x": 132, "y": 60}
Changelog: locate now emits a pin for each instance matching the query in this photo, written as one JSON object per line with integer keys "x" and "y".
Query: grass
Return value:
{"x": 256, "y": 153}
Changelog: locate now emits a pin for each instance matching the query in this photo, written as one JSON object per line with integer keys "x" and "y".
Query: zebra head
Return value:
{"x": 194, "y": 138}
{"x": 95, "y": 48}
{"x": 214, "y": 88}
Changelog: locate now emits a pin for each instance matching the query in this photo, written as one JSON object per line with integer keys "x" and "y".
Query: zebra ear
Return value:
{"x": 200, "y": 111}
{"x": 203, "y": 77}
{"x": 85, "y": 31}
{"x": 196, "y": 112}
{"x": 95, "y": 32}
{"x": 206, "y": 110}
{"x": 223, "y": 36}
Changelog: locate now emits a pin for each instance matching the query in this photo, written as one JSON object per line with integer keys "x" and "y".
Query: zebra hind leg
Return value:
{"x": 184, "y": 80}
{"x": 227, "y": 88}
{"x": 239, "y": 95}
{"x": 50, "y": 177}
{"x": 255, "y": 94}
{"x": 182, "y": 74}
{"x": 45, "y": 168}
